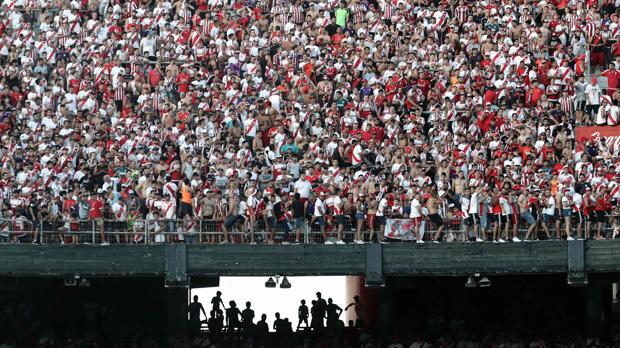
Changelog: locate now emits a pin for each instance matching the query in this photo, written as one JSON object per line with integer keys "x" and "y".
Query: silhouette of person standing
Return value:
{"x": 360, "y": 311}
{"x": 216, "y": 301}
{"x": 302, "y": 313}
{"x": 247, "y": 317}
{"x": 232, "y": 316}
{"x": 333, "y": 314}
{"x": 316, "y": 323}
{"x": 322, "y": 307}
{"x": 194, "y": 309}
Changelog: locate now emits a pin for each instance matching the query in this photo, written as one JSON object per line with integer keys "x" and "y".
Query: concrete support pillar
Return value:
{"x": 385, "y": 313}
{"x": 598, "y": 304}
{"x": 368, "y": 297}
{"x": 176, "y": 300}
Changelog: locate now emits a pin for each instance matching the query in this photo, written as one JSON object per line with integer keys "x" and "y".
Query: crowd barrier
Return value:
{"x": 20, "y": 230}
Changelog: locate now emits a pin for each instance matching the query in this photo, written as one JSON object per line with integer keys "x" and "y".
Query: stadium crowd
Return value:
{"x": 221, "y": 116}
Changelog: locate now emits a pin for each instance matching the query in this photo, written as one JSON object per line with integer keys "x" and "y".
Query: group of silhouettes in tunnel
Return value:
{"x": 322, "y": 315}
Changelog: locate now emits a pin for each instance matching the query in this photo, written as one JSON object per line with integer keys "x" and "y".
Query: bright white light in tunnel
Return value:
{"x": 272, "y": 300}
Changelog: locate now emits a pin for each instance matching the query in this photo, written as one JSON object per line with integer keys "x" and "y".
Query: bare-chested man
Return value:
{"x": 232, "y": 215}
{"x": 432, "y": 204}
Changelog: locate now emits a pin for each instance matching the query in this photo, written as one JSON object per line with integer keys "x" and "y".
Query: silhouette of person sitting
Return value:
{"x": 216, "y": 321}
{"x": 333, "y": 314}
{"x": 232, "y": 316}
{"x": 194, "y": 309}
{"x": 287, "y": 326}
{"x": 302, "y": 313}
{"x": 360, "y": 311}
{"x": 247, "y": 316}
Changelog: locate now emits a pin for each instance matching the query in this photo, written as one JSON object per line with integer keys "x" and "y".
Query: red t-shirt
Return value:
{"x": 154, "y": 77}
{"x": 183, "y": 82}
{"x": 612, "y": 78}
{"x": 95, "y": 208}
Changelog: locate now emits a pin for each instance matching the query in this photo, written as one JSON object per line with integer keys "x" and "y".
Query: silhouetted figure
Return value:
{"x": 194, "y": 309}
{"x": 278, "y": 324}
{"x": 316, "y": 323}
{"x": 287, "y": 326}
{"x": 216, "y": 301}
{"x": 333, "y": 314}
{"x": 216, "y": 321}
{"x": 320, "y": 301}
{"x": 360, "y": 311}
{"x": 247, "y": 317}
{"x": 262, "y": 328}
{"x": 232, "y": 317}
{"x": 302, "y": 313}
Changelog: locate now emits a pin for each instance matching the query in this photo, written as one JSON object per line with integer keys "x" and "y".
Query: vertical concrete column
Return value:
{"x": 176, "y": 300}
{"x": 597, "y": 305}
{"x": 368, "y": 297}
{"x": 385, "y": 301}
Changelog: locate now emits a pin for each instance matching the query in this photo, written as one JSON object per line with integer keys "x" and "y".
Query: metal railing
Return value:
{"x": 456, "y": 229}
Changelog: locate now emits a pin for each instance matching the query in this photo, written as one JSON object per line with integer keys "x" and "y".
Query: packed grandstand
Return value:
{"x": 267, "y": 121}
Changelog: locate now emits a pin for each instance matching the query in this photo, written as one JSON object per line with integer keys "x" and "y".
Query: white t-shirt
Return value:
{"x": 250, "y": 127}
{"x": 565, "y": 202}
{"x": 303, "y": 188}
{"x": 474, "y": 204}
{"x": 577, "y": 201}
{"x": 337, "y": 205}
{"x": 465, "y": 204}
{"x": 416, "y": 209}
{"x": 550, "y": 209}
{"x": 148, "y": 46}
{"x": 381, "y": 207}
{"x": 505, "y": 205}
{"x": 593, "y": 95}
{"x": 318, "y": 207}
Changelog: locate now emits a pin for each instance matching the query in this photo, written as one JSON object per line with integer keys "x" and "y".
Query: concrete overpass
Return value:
{"x": 179, "y": 263}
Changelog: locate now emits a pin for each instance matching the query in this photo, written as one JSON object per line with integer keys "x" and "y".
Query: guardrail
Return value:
{"x": 21, "y": 230}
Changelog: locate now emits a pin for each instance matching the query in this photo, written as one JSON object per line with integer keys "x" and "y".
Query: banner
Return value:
{"x": 402, "y": 229}
{"x": 609, "y": 134}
